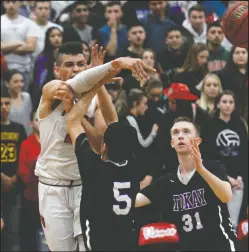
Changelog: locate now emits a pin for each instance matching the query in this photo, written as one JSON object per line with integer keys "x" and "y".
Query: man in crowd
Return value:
{"x": 218, "y": 55}
{"x": 18, "y": 40}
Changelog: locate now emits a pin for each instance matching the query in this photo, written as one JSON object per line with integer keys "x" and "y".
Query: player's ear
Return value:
{"x": 172, "y": 145}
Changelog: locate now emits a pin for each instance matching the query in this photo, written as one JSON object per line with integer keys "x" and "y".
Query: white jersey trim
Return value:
{"x": 224, "y": 232}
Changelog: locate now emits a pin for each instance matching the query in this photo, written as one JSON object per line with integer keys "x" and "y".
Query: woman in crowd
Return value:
{"x": 210, "y": 89}
{"x": 234, "y": 77}
{"x": 148, "y": 57}
{"x": 21, "y": 105}
{"x": 194, "y": 68}
{"x": 44, "y": 65}
{"x": 226, "y": 139}
{"x": 86, "y": 52}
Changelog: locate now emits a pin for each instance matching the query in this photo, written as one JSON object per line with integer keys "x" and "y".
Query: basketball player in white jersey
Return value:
{"x": 59, "y": 179}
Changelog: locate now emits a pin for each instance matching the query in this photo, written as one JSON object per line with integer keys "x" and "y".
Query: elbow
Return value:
{"x": 227, "y": 196}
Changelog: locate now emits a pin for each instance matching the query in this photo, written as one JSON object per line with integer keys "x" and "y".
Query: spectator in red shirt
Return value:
{"x": 30, "y": 218}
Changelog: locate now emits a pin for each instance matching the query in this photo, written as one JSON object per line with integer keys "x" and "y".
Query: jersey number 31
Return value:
{"x": 118, "y": 186}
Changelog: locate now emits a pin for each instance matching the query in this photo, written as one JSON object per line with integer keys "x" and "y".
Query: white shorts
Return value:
{"x": 59, "y": 206}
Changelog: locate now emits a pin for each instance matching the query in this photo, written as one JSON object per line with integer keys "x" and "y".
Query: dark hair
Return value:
{"x": 214, "y": 24}
{"x": 9, "y": 74}
{"x": 173, "y": 28}
{"x": 48, "y": 48}
{"x": 135, "y": 95}
{"x": 197, "y": 7}
{"x": 112, "y": 3}
{"x": 121, "y": 141}
{"x": 230, "y": 65}
{"x": 186, "y": 119}
{"x": 5, "y": 92}
{"x": 134, "y": 24}
{"x": 68, "y": 48}
{"x": 74, "y": 5}
{"x": 36, "y": 2}
{"x": 216, "y": 112}
{"x": 152, "y": 83}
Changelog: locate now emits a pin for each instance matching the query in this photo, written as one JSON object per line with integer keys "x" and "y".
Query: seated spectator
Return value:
{"x": 226, "y": 139}
{"x": 136, "y": 37}
{"x": 113, "y": 35}
{"x": 18, "y": 40}
{"x": 86, "y": 52}
{"x": 176, "y": 50}
{"x": 78, "y": 29}
{"x": 156, "y": 25}
{"x": 149, "y": 58}
{"x": 12, "y": 135}
{"x": 42, "y": 10}
{"x": 234, "y": 77}
{"x": 218, "y": 55}
{"x": 211, "y": 88}
{"x": 44, "y": 65}
{"x": 194, "y": 68}
{"x": 137, "y": 104}
{"x": 21, "y": 105}
{"x": 30, "y": 217}
{"x": 195, "y": 25}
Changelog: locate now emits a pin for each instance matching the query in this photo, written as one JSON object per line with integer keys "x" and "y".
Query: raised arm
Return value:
{"x": 221, "y": 188}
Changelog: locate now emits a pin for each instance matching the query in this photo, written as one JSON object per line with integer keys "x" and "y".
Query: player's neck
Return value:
{"x": 186, "y": 163}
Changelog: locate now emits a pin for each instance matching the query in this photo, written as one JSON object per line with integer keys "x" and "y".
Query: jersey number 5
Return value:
{"x": 121, "y": 198}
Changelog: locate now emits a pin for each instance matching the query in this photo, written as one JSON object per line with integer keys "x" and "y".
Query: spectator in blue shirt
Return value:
{"x": 156, "y": 25}
{"x": 113, "y": 36}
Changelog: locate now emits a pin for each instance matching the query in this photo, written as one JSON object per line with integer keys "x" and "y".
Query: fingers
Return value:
{"x": 148, "y": 68}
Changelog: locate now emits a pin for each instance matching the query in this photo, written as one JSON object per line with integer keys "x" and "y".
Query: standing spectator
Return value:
{"x": 78, "y": 29}
{"x": 30, "y": 217}
{"x": 226, "y": 140}
{"x": 136, "y": 38}
{"x": 12, "y": 135}
{"x": 156, "y": 25}
{"x": 4, "y": 67}
{"x": 59, "y": 7}
{"x": 218, "y": 55}
{"x": 42, "y": 10}
{"x": 194, "y": 68}
{"x": 175, "y": 52}
{"x": 21, "y": 105}
{"x": 44, "y": 65}
{"x": 195, "y": 25}
{"x": 26, "y": 9}
{"x": 113, "y": 36}
{"x": 211, "y": 88}
{"x": 97, "y": 14}
{"x": 235, "y": 75}
{"x": 18, "y": 40}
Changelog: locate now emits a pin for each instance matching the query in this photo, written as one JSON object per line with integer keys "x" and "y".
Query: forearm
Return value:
{"x": 112, "y": 46}
{"x": 9, "y": 48}
{"x": 221, "y": 189}
{"x": 85, "y": 80}
{"x": 106, "y": 106}
{"x": 141, "y": 200}
{"x": 94, "y": 137}
{"x": 27, "y": 48}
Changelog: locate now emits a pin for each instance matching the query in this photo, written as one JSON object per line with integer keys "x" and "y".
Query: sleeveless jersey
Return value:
{"x": 57, "y": 158}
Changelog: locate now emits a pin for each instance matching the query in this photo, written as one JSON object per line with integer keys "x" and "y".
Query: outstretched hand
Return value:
{"x": 97, "y": 56}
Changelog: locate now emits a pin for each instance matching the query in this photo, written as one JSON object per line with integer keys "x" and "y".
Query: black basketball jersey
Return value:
{"x": 202, "y": 220}
{"x": 108, "y": 197}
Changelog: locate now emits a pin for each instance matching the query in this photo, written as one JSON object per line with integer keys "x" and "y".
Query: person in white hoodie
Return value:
{"x": 195, "y": 25}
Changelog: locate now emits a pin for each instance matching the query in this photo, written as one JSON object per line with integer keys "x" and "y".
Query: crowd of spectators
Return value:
{"x": 199, "y": 75}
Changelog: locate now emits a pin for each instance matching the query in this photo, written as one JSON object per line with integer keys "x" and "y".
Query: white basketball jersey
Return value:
{"x": 57, "y": 159}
